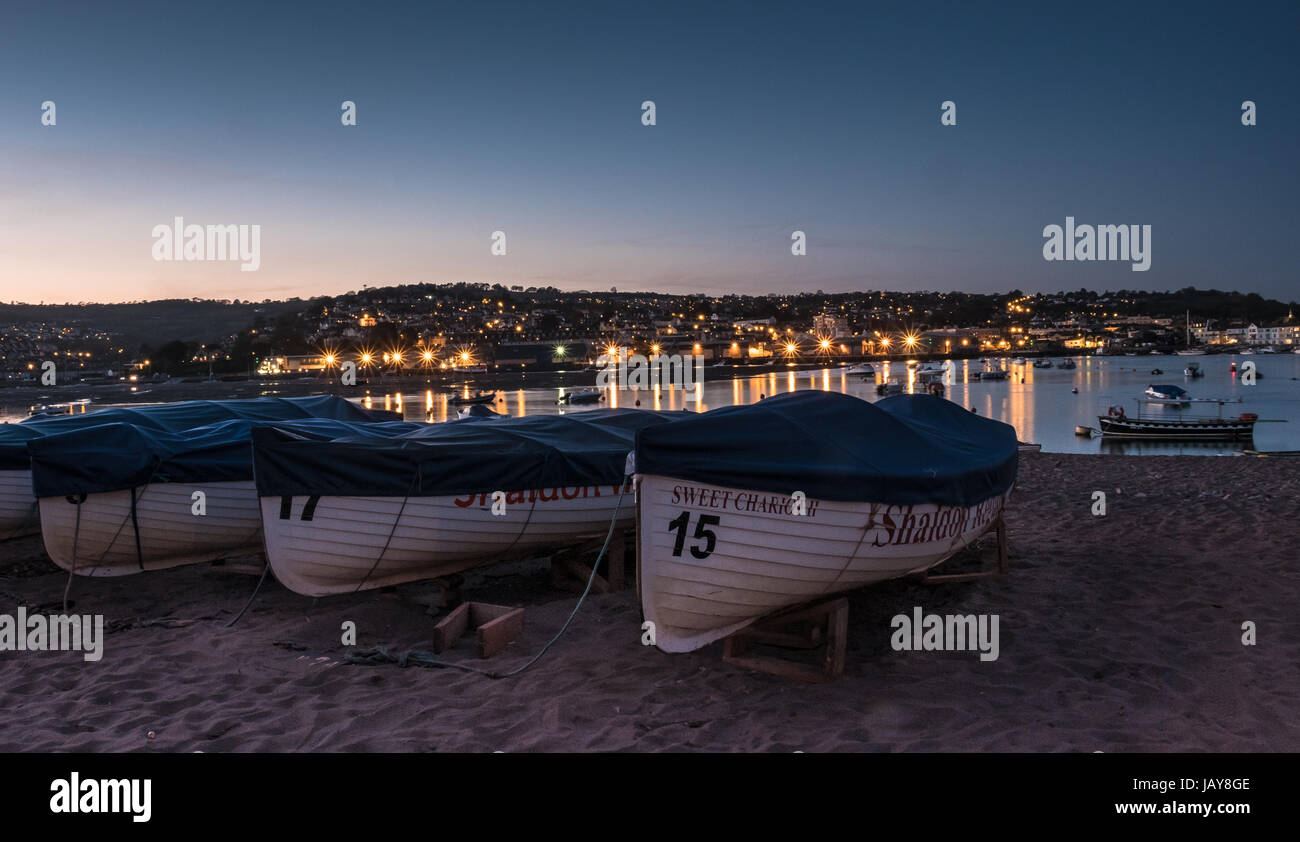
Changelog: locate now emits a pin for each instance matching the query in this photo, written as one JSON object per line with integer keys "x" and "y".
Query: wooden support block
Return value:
{"x": 495, "y": 626}
{"x": 999, "y": 528}
{"x": 451, "y": 590}
{"x": 616, "y": 575}
{"x": 498, "y": 633}
{"x": 833, "y": 615}
{"x": 450, "y": 628}
{"x": 570, "y": 574}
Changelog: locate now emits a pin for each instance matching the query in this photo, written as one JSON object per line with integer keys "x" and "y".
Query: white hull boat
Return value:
{"x": 18, "y": 510}
{"x": 347, "y": 544}
{"x": 764, "y": 561}
{"x": 117, "y": 499}
{"x": 351, "y": 513}
{"x": 805, "y": 516}
{"x": 98, "y": 536}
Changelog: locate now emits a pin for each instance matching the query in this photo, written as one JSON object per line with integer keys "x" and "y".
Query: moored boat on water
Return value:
{"x": 469, "y": 400}
{"x": 1167, "y": 394}
{"x": 582, "y": 396}
{"x": 1160, "y": 424}
{"x": 370, "y": 508}
{"x": 746, "y": 510}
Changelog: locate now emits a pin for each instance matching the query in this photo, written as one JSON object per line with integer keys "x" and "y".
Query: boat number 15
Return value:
{"x": 702, "y": 533}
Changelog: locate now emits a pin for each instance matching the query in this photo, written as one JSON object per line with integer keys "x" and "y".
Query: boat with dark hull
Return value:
{"x": 470, "y": 400}
{"x": 1153, "y": 425}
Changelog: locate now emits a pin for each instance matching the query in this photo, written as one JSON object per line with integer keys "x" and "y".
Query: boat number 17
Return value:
{"x": 679, "y": 525}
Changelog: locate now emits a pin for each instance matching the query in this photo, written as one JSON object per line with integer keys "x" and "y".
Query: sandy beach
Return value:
{"x": 1119, "y": 633}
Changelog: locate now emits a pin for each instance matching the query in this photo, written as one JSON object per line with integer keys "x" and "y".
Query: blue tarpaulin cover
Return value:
{"x": 903, "y": 450}
{"x": 503, "y": 454}
{"x": 174, "y": 417}
{"x": 112, "y": 457}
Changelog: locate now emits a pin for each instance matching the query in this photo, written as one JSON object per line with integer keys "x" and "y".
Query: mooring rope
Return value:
{"x": 380, "y": 655}
{"x": 416, "y": 482}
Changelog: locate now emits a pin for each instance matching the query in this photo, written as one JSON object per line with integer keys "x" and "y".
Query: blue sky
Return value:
{"x": 525, "y": 118}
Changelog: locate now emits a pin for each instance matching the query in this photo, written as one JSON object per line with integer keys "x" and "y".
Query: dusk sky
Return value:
{"x": 526, "y": 118}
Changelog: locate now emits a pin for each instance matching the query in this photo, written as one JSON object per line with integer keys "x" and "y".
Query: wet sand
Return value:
{"x": 1117, "y": 633}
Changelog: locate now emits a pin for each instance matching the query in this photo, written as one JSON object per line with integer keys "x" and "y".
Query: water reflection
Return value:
{"x": 1043, "y": 408}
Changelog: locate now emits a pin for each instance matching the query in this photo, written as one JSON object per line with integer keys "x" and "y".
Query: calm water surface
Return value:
{"x": 1038, "y": 402}
{"x": 1042, "y": 408}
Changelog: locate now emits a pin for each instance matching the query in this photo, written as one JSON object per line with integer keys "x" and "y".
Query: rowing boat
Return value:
{"x": 119, "y": 499}
{"x": 18, "y": 508}
{"x": 372, "y": 508}
{"x": 747, "y": 510}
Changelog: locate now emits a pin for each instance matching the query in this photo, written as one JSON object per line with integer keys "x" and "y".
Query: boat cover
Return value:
{"x": 903, "y": 450}
{"x": 112, "y": 457}
{"x": 500, "y": 454}
{"x": 185, "y": 415}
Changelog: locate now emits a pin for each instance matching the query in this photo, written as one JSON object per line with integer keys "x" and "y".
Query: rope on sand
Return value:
{"x": 379, "y": 655}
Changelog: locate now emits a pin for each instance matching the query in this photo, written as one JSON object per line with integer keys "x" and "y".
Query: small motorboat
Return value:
{"x": 1042, "y": 363}
{"x": 1028, "y": 447}
{"x": 1193, "y": 370}
{"x": 1157, "y": 371}
{"x": 890, "y": 387}
{"x": 582, "y": 396}
{"x": 1083, "y": 430}
{"x": 466, "y": 400}
{"x": 1067, "y": 364}
{"x": 58, "y": 410}
{"x": 863, "y": 369}
{"x": 1168, "y": 394}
